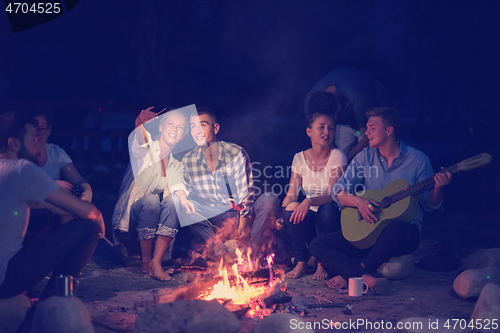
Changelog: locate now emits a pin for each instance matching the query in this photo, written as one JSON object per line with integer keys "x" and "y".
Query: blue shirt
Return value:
{"x": 369, "y": 170}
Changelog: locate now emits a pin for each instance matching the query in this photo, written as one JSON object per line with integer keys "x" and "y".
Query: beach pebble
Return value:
{"x": 61, "y": 315}
{"x": 483, "y": 258}
{"x": 470, "y": 282}
{"x": 487, "y": 307}
{"x": 12, "y": 312}
{"x": 187, "y": 316}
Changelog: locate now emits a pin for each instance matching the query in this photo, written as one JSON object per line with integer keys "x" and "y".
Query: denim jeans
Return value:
{"x": 338, "y": 255}
{"x": 150, "y": 217}
{"x": 65, "y": 250}
{"x": 326, "y": 220}
{"x": 264, "y": 209}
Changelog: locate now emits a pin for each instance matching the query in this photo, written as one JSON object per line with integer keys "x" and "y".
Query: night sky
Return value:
{"x": 254, "y": 61}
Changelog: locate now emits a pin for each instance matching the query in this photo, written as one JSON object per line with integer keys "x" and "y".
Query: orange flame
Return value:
{"x": 249, "y": 252}
{"x": 269, "y": 259}
{"x": 241, "y": 292}
{"x": 239, "y": 256}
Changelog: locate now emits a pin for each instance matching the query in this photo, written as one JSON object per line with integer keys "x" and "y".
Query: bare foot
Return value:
{"x": 320, "y": 274}
{"x": 299, "y": 271}
{"x": 145, "y": 267}
{"x": 378, "y": 285}
{"x": 337, "y": 282}
{"x": 158, "y": 273}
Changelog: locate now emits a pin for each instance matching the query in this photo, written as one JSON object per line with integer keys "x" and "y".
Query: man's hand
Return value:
{"x": 367, "y": 207}
{"x": 279, "y": 219}
{"x": 187, "y": 205}
{"x": 72, "y": 205}
{"x": 100, "y": 221}
{"x": 145, "y": 116}
{"x": 87, "y": 192}
{"x": 244, "y": 228}
{"x": 86, "y": 196}
{"x": 65, "y": 185}
{"x": 442, "y": 178}
{"x": 300, "y": 212}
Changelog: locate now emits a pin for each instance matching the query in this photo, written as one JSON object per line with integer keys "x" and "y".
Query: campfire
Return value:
{"x": 240, "y": 291}
{"x": 247, "y": 287}
{"x": 244, "y": 285}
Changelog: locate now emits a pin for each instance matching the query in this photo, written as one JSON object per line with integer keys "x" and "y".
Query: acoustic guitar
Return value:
{"x": 398, "y": 201}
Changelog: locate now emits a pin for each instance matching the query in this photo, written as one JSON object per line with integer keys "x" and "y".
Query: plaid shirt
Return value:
{"x": 210, "y": 188}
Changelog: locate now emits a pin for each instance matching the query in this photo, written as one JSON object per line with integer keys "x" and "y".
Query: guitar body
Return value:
{"x": 363, "y": 234}
{"x": 404, "y": 205}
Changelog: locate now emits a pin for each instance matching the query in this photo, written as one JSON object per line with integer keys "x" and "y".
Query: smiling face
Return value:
{"x": 377, "y": 132}
{"x": 203, "y": 129}
{"x": 172, "y": 129}
{"x": 322, "y": 131}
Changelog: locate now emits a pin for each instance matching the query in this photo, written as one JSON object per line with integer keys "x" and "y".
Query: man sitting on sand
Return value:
{"x": 66, "y": 249}
{"x": 220, "y": 187}
{"x": 386, "y": 159}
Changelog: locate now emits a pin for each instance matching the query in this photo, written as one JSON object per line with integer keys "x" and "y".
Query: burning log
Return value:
{"x": 191, "y": 291}
{"x": 299, "y": 308}
{"x": 238, "y": 310}
{"x": 200, "y": 286}
{"x": 252, "y": 290}
{"x": 281, "y": 297}
{"x": 255, "y": 277}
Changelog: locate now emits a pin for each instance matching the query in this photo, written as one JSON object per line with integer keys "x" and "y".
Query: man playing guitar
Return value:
{"x": 386, "y": 159}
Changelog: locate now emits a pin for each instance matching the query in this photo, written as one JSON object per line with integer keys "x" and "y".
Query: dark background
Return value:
{"x": 98, "y": 65}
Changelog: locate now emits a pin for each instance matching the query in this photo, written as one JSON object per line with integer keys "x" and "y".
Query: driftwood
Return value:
{"x": 261, "y": 273}
{"x": 281, "y": 297}
{"x": 252, "y": 280}
{"x": 191, "y": 291}
{"x": 190, "y": 265}
{"x": 201, "y": 285}
{"x": 205, "y": 283}
{"x": 298, "y": 308}
{"x": 238, "y": 310}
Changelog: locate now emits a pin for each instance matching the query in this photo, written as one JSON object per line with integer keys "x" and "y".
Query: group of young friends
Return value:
{"x": 210, "y": 190}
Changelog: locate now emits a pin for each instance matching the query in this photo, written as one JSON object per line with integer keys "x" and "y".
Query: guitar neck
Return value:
{"x": 418, "y": 187}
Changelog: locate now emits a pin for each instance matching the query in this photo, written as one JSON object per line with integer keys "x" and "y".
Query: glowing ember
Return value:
{"x": 257, "y": 311}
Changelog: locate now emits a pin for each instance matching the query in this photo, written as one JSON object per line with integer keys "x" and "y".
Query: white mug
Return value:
{"x": 357, "y": 286}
